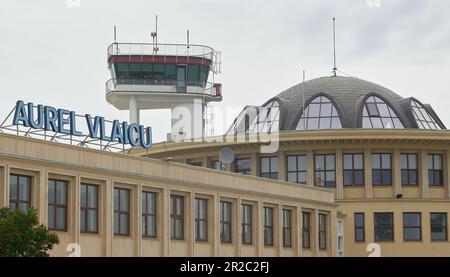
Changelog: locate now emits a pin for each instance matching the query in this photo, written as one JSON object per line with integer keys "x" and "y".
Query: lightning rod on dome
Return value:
{"x": 334, "y": 47}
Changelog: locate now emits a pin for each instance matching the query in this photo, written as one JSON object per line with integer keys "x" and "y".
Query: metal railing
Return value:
{"x": 174, "y": 50}
{"x": 149, "y": 85}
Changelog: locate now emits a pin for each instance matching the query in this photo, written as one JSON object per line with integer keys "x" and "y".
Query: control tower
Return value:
{"x": 179, "y": 77}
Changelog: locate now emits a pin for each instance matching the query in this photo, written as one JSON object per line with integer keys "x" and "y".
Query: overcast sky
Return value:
{"x": 54, "y": 53}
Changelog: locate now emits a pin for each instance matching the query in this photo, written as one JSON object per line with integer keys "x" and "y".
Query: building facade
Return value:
{"x": 108, "y": 204}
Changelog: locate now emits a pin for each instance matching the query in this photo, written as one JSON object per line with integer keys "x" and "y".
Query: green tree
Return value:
{"x": 21, "y": 235}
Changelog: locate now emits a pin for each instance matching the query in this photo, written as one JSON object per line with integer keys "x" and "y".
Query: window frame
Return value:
{"x": 360, "y": 227}
{"x": 17, "y": 201}
{"x": 85, "y": 210}
{"x": 353, "y": 170}
{"x": 305, "y": 115}
{"x": 145, "y": 214}
{"x": 243, "y": 171}
{"x": 382, "y": 170}
{"x": 273, "y": 175}
{"x": 378, "y": 100}
{"x": 439, "y": 226}
{"x": 306, "y": 230}
{"x": 408, "y": 170}
{"x": 412, "y": 227}
{"x": 297, "y": 170}
{"x": 198, "y": 220}
{"x": 60, "y": 206}
{"x": 268, "y": 227}
{"x": 177, "y": 217}
{"x": 120, "y": 212}
{"x": 223, "y": 222}
{"x": 287, "y": 229}
{"x": 248, "y": 224}
{"x": 325, "y": 170}
{"x": 434, "y": 170}
{"x": 377, "y": 228}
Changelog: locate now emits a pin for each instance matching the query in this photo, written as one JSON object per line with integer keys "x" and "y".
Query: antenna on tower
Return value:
{"x": 155, "y": 36}
{"x": 115, "y": 34}
{"x": 334, "y": 47}
{"x": 187, "y": 37}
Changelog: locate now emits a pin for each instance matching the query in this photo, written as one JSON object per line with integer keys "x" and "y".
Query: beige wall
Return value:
{"x": 44, "y": 160}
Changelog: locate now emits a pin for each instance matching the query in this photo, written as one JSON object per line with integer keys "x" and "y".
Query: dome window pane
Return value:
{"x": 267, "y": 119}
{"x": 377, "y": 114}
{"x": 320, "y": 114}
{"x": 423, "y": 118}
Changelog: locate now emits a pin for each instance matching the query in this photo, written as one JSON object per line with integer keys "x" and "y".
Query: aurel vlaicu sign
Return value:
{"x": 64, "y": 122}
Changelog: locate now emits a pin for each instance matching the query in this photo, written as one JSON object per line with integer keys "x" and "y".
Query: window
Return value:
{"x": 296, "y": 169}
{"x": 412, "y": 227}
{"x": 325, "y": 170}
{"x": 218, "y": 165}
{"x": 381, "y": 170}
{"x": 121, "y": 212}
{"x": 379, "y": 115}
{"x": 268, "y": 226}
{"x": 360, "y": 231}
{"x": 435, "y": 173}
{"x": 267, "y": 119}
{"x": 88, "y": 208}
{"x": 318, "y": 115}
{"x": 246, "y": 224}
{"x": 353, "y": 169}
{"x": 322, "y": 231}
{"x": 242, "y": 166}
{"x": 19, "y": 192}
{"x": 269, "y": 167}
{"x": 287, "y": 228}
{"x": 149, "y": 214}
{"x": 306, "y": 230}
{"x": 408, "y": 164}
{"x": 57, "y": 205}
{"x": 439, "y": 227}
{"x": 423, "y": 118}
{"x": 384, "y": 226}
{"x": 201, "y": 219}
{"x": 225, "y": 222}
{"x": 177, "y": 217}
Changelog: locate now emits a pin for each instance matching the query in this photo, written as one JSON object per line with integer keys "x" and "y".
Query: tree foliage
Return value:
{"x": 21, "y": 235}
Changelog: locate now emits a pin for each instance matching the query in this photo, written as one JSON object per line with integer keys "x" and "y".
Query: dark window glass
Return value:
{"x": 201, "y": 219}
{"x": 353, "y": 169}
{"x": 381, "y": 170}
{"x": 325, "y": 170}
{"x": 287, "y": 228}
{"x": 435, "y": 173}
{"x": 269, "y": 167}
{"x": 439, "y": 229}
{"x": 57, "y": 208}
{"x": 360, "y": 235}
{"x": 225, "y": 222}
{"x": 246, "y": 224}
{"x": 149, "y": 211}
{"x": 242, "y": 166}
{"x": 306, "y": 230}
{"x": 268, "y": 226}
{"x": 193, "y": 75}
{"x": 322, "y": 231}
{"x": 121, "y": 212}
{"x": 177, "y": 217}
{"x": 88, "y": 208}
{"x": 408, "y": 164}
{"x": 412, "y": 227}
{"x": 19, "y": 192}
{"x": 217, "y": 165}
{"x": 296, "y": 169}
{"x": 384, "y": 226}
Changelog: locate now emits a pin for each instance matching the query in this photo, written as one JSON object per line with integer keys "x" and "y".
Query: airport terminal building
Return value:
{"x": 358, "y": 167}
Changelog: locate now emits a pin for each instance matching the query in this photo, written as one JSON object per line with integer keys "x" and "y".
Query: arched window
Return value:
{"x": 320, "y": 114}
{"x": 267, "y": 120}
{"x": 423, "y": 118}
{"x": 377, "y": 114}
